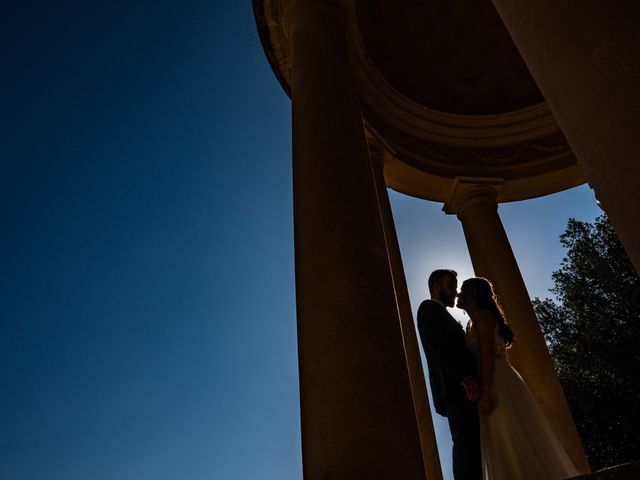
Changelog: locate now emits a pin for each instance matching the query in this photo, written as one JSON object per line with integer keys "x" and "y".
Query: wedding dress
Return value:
{"x": 517, "y": 441}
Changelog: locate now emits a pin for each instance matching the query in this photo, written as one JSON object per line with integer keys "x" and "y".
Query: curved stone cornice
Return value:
{"x": 269, "y": 17}
{"x": 412, "y": 118}
{"x": 425, "y": 149}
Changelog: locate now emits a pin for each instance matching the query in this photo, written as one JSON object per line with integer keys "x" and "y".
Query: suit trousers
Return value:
{"x": 465, "y": 433}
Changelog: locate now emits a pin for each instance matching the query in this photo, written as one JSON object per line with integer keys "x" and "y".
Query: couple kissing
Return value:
{"x": 497, "y": 428}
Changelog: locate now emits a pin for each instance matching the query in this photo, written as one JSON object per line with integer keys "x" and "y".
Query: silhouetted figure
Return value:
{"x": 452, "y": 373}
{"x": 516, "y": 439}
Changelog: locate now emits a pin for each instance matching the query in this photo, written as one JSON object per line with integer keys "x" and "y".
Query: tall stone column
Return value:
{"x": 412, "y": 350}
{"x": 474, "y": 201}
{"x": 357, "y": 413}
{"x": 584, "y": 57}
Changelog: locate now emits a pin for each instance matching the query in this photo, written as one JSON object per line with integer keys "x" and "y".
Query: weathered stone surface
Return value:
{"x": 628, "y": 471}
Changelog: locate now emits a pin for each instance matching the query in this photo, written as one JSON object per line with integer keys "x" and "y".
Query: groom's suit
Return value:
{"x": 450, "y": 363}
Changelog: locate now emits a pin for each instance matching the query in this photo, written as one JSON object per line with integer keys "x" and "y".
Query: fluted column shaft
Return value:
{"x": 358, "y": 418}
{"x": 412, "y": 350}
{"x": 493, "y": 258}
{"x": 584, "y": 57}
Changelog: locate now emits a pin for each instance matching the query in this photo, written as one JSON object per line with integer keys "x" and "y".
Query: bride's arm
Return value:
{"x": 485, "y": 325}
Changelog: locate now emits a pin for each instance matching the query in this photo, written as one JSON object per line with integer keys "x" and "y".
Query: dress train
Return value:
{"x": 517, "y": 441}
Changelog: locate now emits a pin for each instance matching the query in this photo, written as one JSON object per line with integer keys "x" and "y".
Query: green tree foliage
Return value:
{"x": 592, "y": 329}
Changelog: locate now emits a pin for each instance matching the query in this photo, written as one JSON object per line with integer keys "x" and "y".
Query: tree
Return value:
{"x": 592, "y": 329}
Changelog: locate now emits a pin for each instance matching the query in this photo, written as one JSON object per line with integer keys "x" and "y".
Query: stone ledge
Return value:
{"x": 627, "y": 471}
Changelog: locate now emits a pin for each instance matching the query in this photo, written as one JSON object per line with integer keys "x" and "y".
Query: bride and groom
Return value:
{"x": 497, "y": 428}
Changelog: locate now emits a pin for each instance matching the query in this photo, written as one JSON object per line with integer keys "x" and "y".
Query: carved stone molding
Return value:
{"x": 467, "y": 191}
{"x": 426, "y": 149}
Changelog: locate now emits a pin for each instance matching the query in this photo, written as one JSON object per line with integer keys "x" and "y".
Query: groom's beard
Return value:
{"x": 448, "y": 300}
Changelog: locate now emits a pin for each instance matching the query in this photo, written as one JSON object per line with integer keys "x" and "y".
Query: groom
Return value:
{"x": 452, "y": 372}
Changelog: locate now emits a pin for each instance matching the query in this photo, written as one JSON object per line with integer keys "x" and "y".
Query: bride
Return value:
{"x": 517, "y": 441}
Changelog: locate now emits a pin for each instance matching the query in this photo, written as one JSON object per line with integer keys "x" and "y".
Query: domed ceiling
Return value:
{"x": 444, "y": 94}
{"x": 450, "y": 56}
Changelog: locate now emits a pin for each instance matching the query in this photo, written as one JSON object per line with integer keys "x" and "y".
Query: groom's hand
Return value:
{"x": 472, "y": 389}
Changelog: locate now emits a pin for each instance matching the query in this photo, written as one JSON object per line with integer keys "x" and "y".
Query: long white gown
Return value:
{"x": 517, "y": 441}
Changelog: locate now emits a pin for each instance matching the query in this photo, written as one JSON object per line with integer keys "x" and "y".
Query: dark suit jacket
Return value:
{"x": 448, "y": 357}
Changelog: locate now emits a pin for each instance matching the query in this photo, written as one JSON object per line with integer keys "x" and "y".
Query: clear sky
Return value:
{"x": 147, "y": 325}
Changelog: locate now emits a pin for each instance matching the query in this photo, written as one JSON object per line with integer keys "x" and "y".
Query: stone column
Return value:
{"x": 412, "y": 350}
{"x": 584, "y": 57}
{"x": 357, "y": 414}
{"x": 474, "y": 201}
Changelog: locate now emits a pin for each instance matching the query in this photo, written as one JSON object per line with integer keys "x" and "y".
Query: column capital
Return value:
{"x": 467, "y": 191}
{"x": 298, "y": 8}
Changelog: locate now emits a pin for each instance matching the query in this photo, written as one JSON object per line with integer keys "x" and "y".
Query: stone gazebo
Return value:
{"x": 433, "y": 99}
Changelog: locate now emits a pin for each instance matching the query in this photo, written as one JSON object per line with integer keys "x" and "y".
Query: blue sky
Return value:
{"x": 147, "y": 295}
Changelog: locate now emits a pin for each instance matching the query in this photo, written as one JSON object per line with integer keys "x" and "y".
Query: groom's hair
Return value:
{"x": 439, "y": 274}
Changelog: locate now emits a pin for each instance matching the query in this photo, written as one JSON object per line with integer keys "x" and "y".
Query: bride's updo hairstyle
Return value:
{"x": 482, "y": 291}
